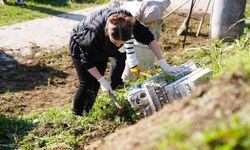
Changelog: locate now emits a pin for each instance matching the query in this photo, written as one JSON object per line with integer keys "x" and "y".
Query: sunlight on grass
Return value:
{"x": 59, "y": 128}
{"x": 219, "y": 134}
{"x": 11, "y": 13}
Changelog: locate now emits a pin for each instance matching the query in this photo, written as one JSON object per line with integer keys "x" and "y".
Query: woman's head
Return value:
{"x": 119, "y": 28}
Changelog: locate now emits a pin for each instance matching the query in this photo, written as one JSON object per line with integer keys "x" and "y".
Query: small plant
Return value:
{"x": 216, "y": 59}
{"x": 13, "y": 130}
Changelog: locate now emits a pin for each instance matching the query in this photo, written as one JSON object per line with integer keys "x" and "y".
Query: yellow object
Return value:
{"x": 135, "y": 70}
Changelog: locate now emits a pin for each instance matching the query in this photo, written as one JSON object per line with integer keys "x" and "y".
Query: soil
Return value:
{"x": 48, "y": 80}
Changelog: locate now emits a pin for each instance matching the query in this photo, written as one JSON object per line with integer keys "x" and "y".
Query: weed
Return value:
{"x": 216, "y": 59}
{"x": 12, "y": 130}
{"x": 59, "y": 128}
{"x": 231, "y": 135}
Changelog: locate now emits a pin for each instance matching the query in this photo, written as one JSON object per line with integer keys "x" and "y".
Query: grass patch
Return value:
{"x": 226, "y": 135}
{"x": 11, "y": 13}
{"x": 58, "y": 128}
{"x": 220, "y": 56}
{"x": 219, "y": 133}
{"x": 12, "y": 130}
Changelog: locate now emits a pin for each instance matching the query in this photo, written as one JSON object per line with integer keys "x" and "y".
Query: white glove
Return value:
{"x": 105, "y": 86}
{"x": 167, "y": 68}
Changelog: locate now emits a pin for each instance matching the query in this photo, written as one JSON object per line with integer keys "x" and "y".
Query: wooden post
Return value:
{"x": 187, "y": 23}
{"x": 168, "y": 14}
{"x": 202, "y": 19}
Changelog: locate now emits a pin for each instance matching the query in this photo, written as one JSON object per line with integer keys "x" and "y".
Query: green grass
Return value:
{"x": 220, "y": 134}
{"x": 58, "y": 128}
{"x": 222, "y": 57}
{"x": 12, "y": 130}
{"x": 11, "y": 13}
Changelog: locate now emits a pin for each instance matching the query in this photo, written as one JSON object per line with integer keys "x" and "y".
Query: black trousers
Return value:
{"x": 88, "y": 86}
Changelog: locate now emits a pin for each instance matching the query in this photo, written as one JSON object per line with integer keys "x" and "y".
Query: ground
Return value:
{"x": 50, "y": 80}
{"x": 35, "y": 82}
{"x": 47, "y": 78}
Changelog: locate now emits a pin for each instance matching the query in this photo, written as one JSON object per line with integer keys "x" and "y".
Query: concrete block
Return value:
{"x": 151, "y": 95}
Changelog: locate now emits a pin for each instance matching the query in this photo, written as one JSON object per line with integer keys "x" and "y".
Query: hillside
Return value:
{"x": 220, "y": 107}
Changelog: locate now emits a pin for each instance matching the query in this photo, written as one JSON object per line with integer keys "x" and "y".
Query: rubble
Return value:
{"x": 150, "y": 96}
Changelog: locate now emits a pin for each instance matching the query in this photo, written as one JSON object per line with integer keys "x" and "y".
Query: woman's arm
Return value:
{"x": 105, "y": 86}
{"x": 163, "y": 63}
{"x": 95, "y": 73}
{"x": 154, "y": 46}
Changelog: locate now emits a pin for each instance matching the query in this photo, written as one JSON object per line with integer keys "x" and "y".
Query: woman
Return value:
{"x": 93, "y": 41}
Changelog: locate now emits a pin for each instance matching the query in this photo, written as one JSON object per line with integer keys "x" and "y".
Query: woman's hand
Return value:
{"x": 105, "y": 86}
{"x": 167, "y": 68}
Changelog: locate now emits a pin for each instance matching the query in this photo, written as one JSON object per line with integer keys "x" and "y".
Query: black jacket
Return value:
{"x": 89, "y": 44}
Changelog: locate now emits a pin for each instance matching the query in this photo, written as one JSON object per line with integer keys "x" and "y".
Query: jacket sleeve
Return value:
{"x": 87, "y": 48}
{"x": 142, "y": 33}
{"x": 130, "y": 53}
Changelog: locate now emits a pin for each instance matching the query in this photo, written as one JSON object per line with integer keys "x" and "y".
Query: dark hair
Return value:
{"x": 122, "y": 28}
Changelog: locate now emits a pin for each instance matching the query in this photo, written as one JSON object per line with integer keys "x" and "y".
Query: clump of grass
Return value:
{"x": 223, "y": 56}
{"x": 240, "y": 62}
{"x": 169, "y": 77}
{"x": 224, "y": 134}
{"x": 12, "y": 130}
{"x": 59, "y": 128}
{"x": 229, "y": 135}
